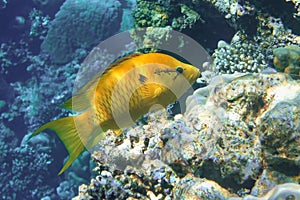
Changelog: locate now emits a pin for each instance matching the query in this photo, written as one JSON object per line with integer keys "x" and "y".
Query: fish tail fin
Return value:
{"x": 66, "y": 130}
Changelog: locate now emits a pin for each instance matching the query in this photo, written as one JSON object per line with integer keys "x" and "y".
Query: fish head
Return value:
{"x": 184, "y": 72}
{"x": 170, "y": 70}
{"x": 190, "y": 72}
{"x": 177, "y": 77}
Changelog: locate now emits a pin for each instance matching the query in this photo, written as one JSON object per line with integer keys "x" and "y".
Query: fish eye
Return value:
{"x": 179, "y": 69}
{"x": 290, "y": 197}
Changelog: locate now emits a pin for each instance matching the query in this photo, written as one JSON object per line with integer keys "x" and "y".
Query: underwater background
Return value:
{"x": 239, "y": 137}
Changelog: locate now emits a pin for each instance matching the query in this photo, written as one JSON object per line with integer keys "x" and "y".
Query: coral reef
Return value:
{"x": 177, "y": 15}
{"x": 226, "y": 137}
{"x": 33, "y": 96}
{"x": 239, "y": 138}
{"x": 250, "y": 45}
{"x": 28, "y": 100}
{"x": 127, "y": 22}
{"x": 13, "y": 55}
{"x": 287, "y": 59}
{"x": 297, "y": 7}
{"x": 187, "y": 20}
{"x": 81, "y": 25}
{"x": 152, "y": 38}
{"x": 239, "y": 56}
{"x": 20, "y": 164}
{"x": 194, "y": 18}
{"x": 6, "y": 94}
{"x": 280, "y": 130}
{"x": 29, "y": 166}
{"x": 283, "y": 191}
{"x": 32, "y": 88}
{"x": 244, "y": 55}
{"x": 39, "y": 24}
{"x": 253, "y": 42}
{"x": 233, "y": 10}
{"x": 149, "y": 14}
{"x": 130, "y": 184}
{"x": 191, "y": 187}
{"x": 240, "y": 13}
{"x": 30, "y": 93}
{"x": 263, "y": 107}
{"x": 269, "y": 179}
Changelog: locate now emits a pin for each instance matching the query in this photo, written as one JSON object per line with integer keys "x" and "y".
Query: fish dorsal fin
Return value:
{"x": 119, "y": 61}
{"x": 80, "y": 101}
{"x": 77, "y": 103}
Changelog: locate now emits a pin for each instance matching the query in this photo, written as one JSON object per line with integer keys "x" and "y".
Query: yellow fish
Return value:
{"x": 117, "y": 97}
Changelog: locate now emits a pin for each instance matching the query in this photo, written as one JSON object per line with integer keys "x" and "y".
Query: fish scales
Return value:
{"x": 133, "y": 85}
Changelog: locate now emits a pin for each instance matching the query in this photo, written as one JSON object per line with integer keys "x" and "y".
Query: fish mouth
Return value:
{"x": 198, "y": 74}
{"x": 195, "y": 75}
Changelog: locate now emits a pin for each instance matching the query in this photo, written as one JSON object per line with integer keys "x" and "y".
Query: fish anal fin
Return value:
{"x": 97, "y": 134}
{"x": 118, "y": 132}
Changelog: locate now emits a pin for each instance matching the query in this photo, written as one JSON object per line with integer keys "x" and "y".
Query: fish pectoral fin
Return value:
{"x": 157, "y": 92}
{"x": 150, "y": 92}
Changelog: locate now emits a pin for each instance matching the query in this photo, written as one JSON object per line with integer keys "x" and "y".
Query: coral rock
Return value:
{"x": 81, "y": 25}
{"x": 287, "y": 59}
